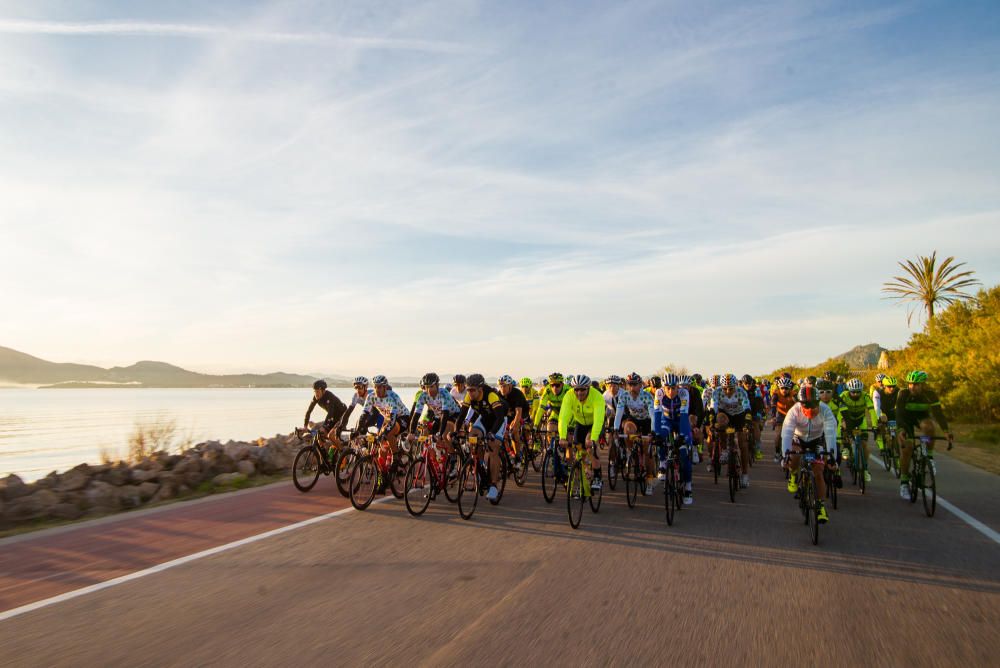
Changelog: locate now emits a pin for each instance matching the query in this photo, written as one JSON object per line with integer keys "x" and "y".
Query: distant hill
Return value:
{"x": 862, "y": 357}
{"x": 24, "y": 369}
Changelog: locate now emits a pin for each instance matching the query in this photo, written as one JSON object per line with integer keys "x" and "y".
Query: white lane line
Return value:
{"x": 957, "y": 512}
{"x": 14, "y": 612}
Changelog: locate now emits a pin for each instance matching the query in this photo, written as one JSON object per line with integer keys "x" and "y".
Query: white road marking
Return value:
{"x": 9, "y": 614}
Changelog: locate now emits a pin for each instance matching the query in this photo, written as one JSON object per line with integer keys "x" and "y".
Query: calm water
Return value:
{"x": 54, "y": 430}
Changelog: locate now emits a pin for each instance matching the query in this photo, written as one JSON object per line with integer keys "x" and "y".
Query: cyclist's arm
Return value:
{"x": 829, "y": 427}
{"x": 597, "y": 400}
{"x": 877, "y": 404}
{"x": 788, "y": 430}
{"x": 564, "y": 417}
{"x": 619, "y": 414}
{"x": 938, "y": 413}
{"x": 312, "y": 405}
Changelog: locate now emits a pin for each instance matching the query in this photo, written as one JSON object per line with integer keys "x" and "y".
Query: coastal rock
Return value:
{"x": 129, "y": 496}
{"x": 170, "y": 462}
{"x": 191, "y": 462}
{"x": 31, "y": 507}
{"x": 117, "y": 475}
{"x": 66, "y": 511}
{"x": 237, "y": 451}
{"x": 48, "y": 482}
{"x": 101, "y": 496}
{"x": 228, "y": 479}
{"x": 192, "y": 478}
{"x": 12, "y": 487}
{"x": 148, "y": 490}
{"x": 144, "y": 475}
{"x": 167, "y": 491}
{"x": 274, "y": 459}
{"x": 218, "y": 462}
{"x": 246, "y": 467}
{"x": 74, "y": 479}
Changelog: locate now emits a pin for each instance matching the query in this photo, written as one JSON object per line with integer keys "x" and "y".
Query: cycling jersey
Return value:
{"x": 531, "y": 396}
{"x": 783, "y": 403}
{"x": 675, "y": 414}
{"x": 734, "y": 404}
{"x": 389, "y": 408}
{"x": 589, "y": 412}
{"x": 330, "y": 403}
{"x": 885, "y": 402}
{"x": 797, "y": 425}
{"x": 515, "y": 399}
{"x": 610, "y": 402}
{"x": 548, "y": 399}
{"x": 857, "y": 411}
{"x": 437, "y": 406}
{"x": 638, "y": 408}
{"x": 490, "y": 408}
{"x": 356, "y": 400}
{"x": 911, "y": 409}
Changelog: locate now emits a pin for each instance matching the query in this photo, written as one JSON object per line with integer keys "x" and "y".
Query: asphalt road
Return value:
{"x": 727, "y": 584}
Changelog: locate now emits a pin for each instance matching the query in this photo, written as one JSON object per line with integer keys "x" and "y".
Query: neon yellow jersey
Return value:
{"x": 549, "y": 398}
{"x": 531, "y": 396}
{"x": 589, "y": 412}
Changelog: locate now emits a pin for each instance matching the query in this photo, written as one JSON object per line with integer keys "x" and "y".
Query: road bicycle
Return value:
{"x": 923, "y": 477}
{"x": 634, "y": 469}
{"x": 808, "y": 502}
{"x": 857, "y": 463}
{"x": 579, "y": 486}
{"x": 321, "y": 456}
{"x": 379, "y": 466}
{"x": 673, "y": 488}
{"x": 431, "y": 472}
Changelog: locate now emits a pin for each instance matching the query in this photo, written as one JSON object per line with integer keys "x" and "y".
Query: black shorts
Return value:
{"x": 644, "y": 427}
{"x": 816, "y": 445}
{"x": 737, "y": 421}
{"x": 852, "y": 424}
{"x": 911, "y": 422}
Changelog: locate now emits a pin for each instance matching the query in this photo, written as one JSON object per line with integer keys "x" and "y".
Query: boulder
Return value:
{"x": 129, "y": 496}
{"x": 48, "y": 482}
{"x": 117, "y": 475}
{"x": 66, "y": 511}
{"x": 246, "y": 467}
{"x": 74, "y": 479}
{"x": 144, "y": 475}
{"x": 148, "y": 490}
{"x": 192, "y": 478}
{"x": 273, "y": 460}
{"x": 12, "y": 487}
{"x": 170, "y": 462}
{"x": 217, "y": 462}
{"x": 228, "y": 479}
{"x": 236, "y": 451}
{"x": 167, "y": 491}
{"x": 101, "y": 496}
{"x": 191, "y": 462}
{"x": 31, "y": 507}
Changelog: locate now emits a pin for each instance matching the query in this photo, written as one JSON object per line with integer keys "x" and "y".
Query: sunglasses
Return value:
{"x": 555, "y": 384}
{"x": 854, "y": 394}
{"x": 581, "y": 390}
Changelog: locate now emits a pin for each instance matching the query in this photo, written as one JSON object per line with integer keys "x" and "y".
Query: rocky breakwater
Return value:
{"x": 91, "y": 490}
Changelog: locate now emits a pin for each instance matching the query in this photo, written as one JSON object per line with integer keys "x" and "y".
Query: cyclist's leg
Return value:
{"x": 927, "y": 429}
{"x": 737, "y": 422}
{"x": 904, "y": 437}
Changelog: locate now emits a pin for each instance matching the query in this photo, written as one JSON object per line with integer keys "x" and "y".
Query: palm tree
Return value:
{"x": 928, "y": 284}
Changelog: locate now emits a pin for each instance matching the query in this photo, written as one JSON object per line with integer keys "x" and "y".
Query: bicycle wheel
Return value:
{"x": 418, "y": 487}
{"x": 574, "y": 495}
{"x": 397, "y": 479}
{"x": 595, "y": 498}
{"x": 549, "y": 476}
{"x": 811, "y": 508}
{"x": 895, "y": 458}
{"x": 364, "y": 480}
{"x": 305, "y": 469}
{"x": 831, "y": 487}
{"x": 520, "y": 467}
{"x": 716, "y": 464}
{"x": 468, "y": 489}
{"x": 669, "y": 496}
{"x": 734, "y": 476}
{"x": 501, "y": 477}
{"x": 886, "y": 453}
{"x": 928, "y": 491}
{"x": 613, "y": 466}
{"x": 453, "y": 475}
{"x": 915, "y": 472}
{"x": 536, "y": 454}
{"x": 345, "y": 467}
{"x": 630, "y": 474}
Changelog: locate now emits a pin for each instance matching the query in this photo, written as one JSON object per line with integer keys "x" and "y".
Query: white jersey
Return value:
{"x": 797, "y": 424}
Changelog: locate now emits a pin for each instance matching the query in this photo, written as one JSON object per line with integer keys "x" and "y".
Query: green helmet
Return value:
{"x": 916, "y": 377}
{"x": 526, "y": 382}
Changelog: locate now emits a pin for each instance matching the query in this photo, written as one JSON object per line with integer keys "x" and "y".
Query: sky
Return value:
{"x": 505, "y": 187}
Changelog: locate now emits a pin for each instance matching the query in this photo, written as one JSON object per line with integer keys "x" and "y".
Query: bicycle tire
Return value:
{"x": 364, "y": 481}
{"x": 734, "y": 474}
{"x": 630, "y": 474}
{"x": 468, "y": 489}
{"x": 596, "y": 495}
{"x": 613, "y": 467}
{"x": 574, "y": 495}
{"x": 397, "y": 479}
{"x": 716, "y": 463}
{"x": 305, "y": 468}
{"x": 913, "y": 485}
{"x": 419, "y": 480}
{"x": 520, "y": 468}
{"x": 812, "y": 520}
{"x": 549, "y": 483}
{"x": 345, "y": 467}
{"x": 928, "y": 491}
{"x": 535, "y": 451}
{"x": 669, "y": 497}
{"x": 501, "y": 479}
{"x": 831, "y": 486}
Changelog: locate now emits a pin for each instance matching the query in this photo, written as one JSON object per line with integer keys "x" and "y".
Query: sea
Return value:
{"x": 54, "y": 430}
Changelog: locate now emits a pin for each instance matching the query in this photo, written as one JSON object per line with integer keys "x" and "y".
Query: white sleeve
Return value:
{"x": 877, "y": 400}
{"x": 788, "y": 429}
{"x": 830, "y": 427}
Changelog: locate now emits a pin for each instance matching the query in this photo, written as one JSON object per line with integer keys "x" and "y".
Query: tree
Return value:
{"x": 927, "y": 284}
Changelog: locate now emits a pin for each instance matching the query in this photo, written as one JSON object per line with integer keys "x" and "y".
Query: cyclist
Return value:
{"x": 550, "y": 401}
{"x": 732, "y": 405}
{"x": 914, "y": 408}
{"x": 749, "y": 386}
{"x": 809, "y": 425}
{"x": 585, "y": 408}
{"x": 696, "y": 409}
{"x": 783, "y": 401}
{"x": 361, "y": 394}
{"x": 885, "y": 407}
{"x": 386, "y": 410}
{"x": 530, "y": 395}
{"x": 613, "y": 384}
{"x": 634, "y": 415}
{"x": 856, "y": 412}
{"x": 441, "y": 408}
{"x": 485, "y": 413}
{"x": 329, "y": 402}
{"x": 458, "y": 388}
{"x": 676, "y": 426}
{"x": 517, "y": 410}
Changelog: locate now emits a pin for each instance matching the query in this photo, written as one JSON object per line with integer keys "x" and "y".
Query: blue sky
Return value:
{"x": 510, "y": 187}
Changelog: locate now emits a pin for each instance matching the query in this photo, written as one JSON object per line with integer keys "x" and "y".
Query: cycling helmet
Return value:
{"x": 840, "y": 379}
{"x": 714, "y": 381}
{"x": 458, "y": 379}
{"x": 784, "y": 383}
{"x": 727, "y": 381}
{"x": 319, "y": 385}
{"x": 879, "y": 377}
{"x": 671, "y": 380}
{"x": 696, "y": 378}
{"x": 613, "y": 379}
{"x": 361, "y": 380}
{"x": 855, "y": 385}
{"x": 810, "y": 380}
{"x": 556, "y": 377}
{"x": 583, "y": 380}
{"x": 889, "y": 381}
{"x": 685, "y": 380}
{"x": 380, "y": 380}
{"x": 655, "y": 380}
{"x": 429, "y": 379}
{"x": 505, "y": 380}
{"x": 786, "y": 375}
{"x": 747, "y": 379}
{"x": 916, "y": 377}
{"x": 831, "y": 376}
{"x": 823, "y": 385}
{"x": 526, "y": 382}
{"x": 808, "y": 396}
{"x": 633, "y": 378}
{"x": 475, "y": 380}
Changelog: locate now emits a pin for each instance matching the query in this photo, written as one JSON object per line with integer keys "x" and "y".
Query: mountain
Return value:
{"x": 24, "y": 369}
{"x": 862, "y": 357}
